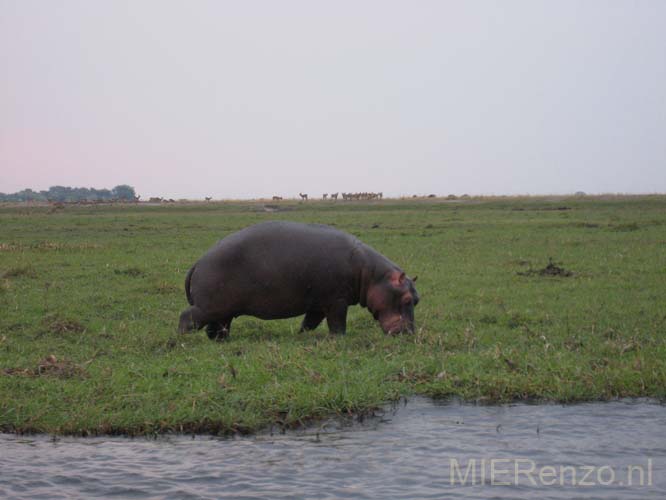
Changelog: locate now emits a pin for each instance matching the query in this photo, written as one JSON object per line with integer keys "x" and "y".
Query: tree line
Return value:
{"x": 122, "y": 192}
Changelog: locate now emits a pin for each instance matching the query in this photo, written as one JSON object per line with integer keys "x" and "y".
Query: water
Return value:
{"x": 419, "y": 450}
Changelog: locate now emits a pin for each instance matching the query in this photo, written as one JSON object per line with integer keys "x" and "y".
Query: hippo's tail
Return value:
{"x": 188, "y": 278}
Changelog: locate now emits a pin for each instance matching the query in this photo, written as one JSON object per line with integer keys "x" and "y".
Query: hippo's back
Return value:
{"x": 284, "y": 241}
{"x": 280, "y": 267}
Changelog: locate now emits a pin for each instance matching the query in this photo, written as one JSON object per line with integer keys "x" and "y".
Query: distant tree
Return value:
{"x": 81, "y": 194}
{"x": 123, "y": 192}
{"x": 66, "y": 193}
{"x": 103, "y": 194}
{"x": 25, "y": 195}
{"x": 58, "y": 193}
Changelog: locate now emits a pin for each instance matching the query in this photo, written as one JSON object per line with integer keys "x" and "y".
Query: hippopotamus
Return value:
{"x": 275, "y": 270}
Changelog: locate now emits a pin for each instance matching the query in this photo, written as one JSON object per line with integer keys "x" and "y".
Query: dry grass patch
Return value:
{"x": 50, "y": 366}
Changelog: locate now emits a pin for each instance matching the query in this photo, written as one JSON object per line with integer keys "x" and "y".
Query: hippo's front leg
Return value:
{"x": 336, "y": 317}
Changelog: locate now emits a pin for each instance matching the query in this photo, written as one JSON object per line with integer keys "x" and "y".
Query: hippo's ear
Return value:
{"x": 414, "y": 279}
{"x": 398, "y": 279}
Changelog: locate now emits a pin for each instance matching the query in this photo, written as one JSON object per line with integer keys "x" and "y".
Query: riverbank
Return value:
{"x": 420, "y": 449}
{"x": 522, "y": 298}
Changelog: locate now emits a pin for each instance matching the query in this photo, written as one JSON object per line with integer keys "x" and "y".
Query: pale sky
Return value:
{"x": 243, "y": 99}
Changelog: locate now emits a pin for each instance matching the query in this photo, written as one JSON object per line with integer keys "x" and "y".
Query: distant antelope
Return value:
{"x": 324, "y": 196}
{"x": 208, "y": 198}
{"x": 334, "y": 196}
{"x": 304, "y": 197}
{"x": 277, "y": 198}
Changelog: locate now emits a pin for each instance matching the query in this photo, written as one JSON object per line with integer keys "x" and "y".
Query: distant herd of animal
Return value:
{"x": 365, "y": 196}
{"x": 345, "y": 196}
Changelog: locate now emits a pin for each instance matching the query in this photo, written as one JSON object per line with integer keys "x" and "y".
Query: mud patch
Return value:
{"x": 274, "y": 208}
{"x": 50, "y": 366}
{"x": 586, "y": 225}
{"x": 488, "y": 319}
{"x": 133, "y": 272}
{"x": 541, "y": 209}
{"x": 552, "y": 269}
{"x": 58, "y": 325}
{"x": 19, "y": 272}
{"x": 625, "y": 227}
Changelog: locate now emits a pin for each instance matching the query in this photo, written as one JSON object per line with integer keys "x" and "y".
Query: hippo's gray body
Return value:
{"x": 278, "y": 270}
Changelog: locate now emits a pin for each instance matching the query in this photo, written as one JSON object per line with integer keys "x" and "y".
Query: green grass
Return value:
{"x": 90, "y": 298}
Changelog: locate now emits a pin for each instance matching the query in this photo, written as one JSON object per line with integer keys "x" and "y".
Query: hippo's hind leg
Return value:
{"x": 336, "y": 317}
{"x": 218, "y": 330}
{"x": 191, "y": 318}
{"x": 312, "y": 320}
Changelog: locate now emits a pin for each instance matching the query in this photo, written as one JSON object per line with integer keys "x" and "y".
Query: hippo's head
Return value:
{"x": 391, "y": 301}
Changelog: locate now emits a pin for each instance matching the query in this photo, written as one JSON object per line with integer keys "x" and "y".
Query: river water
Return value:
{"x": 421, "y": 449}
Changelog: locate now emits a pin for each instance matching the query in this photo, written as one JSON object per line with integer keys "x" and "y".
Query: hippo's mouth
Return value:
{"x": 397, "y": 324}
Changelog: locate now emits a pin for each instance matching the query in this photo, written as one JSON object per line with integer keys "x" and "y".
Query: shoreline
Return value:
{"x": 319, "y": 424}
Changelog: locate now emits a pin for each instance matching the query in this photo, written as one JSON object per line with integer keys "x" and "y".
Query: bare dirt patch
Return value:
{"x": 552, "y": 269}
{"x": 133, "y": 272}
{"x": 59, "y": 325}
{"x": 624, "y": 227}
{"x": 19, "y": 272}
{"x": 166, "y": 288}
{"x": 50, "y": 366}
{"x": 585, "y": 225}
{"x": 47, "y": 245}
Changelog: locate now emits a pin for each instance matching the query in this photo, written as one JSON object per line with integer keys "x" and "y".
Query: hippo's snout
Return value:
{"x": 398, "y": 325}
{"x": 190, "y": 319}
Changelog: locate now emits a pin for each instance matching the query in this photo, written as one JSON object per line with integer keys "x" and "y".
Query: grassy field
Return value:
{"x": 90, "y": 298}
